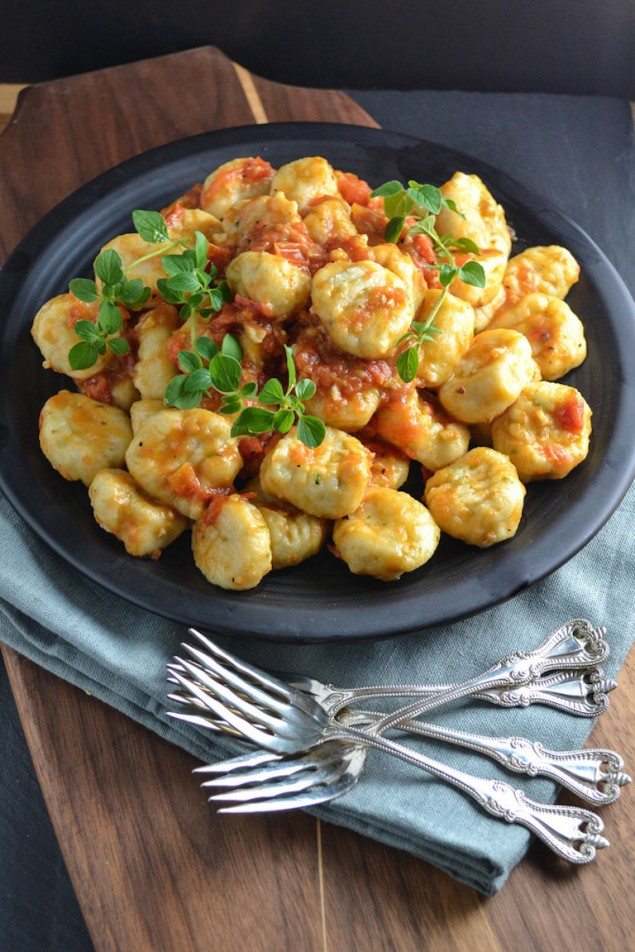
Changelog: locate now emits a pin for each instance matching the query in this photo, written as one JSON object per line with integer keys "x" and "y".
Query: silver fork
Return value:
{"x": 594, "y": 774}
{"x": 280, "y": 719}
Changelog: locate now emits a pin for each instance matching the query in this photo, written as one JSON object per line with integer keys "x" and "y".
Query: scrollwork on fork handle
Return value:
{"x": 578, "y": 692}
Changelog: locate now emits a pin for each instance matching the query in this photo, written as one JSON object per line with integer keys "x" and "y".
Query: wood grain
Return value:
{"x": 154, "y": 868}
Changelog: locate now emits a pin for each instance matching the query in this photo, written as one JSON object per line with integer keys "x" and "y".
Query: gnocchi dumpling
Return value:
{"x": 484, "y": 219}
{"x": 545, "y": 433}
{"x": 305, "y": 180}
{"x": 556, "y": 335}
{"x": 132, "y": 246}
{"x": 80, "y": 436}
{"x": 414, "y": 422}
{"x": 329, "y": 221}
{"x": 279, "y": 286}
{"x": 344, "y": 411}
{"x": 231, "y": 544}
{"x": 494, "y": 263}
{"x": 53, "y": 331}
{"x": 489, "y": 377}
{"x": 390, "y": 467}
{"x": 184, "y": 222}
{"x": 477, "y": 498}
{"x": 256, "y": 214}
{"x": 440, "y": 355}
{"x": 364, "y": 307}
{"x": 549, "y": 269}
{"x": 485, "y": 312}
{"x": 234, "y": 182}
{"x": 328, "y": 481}
{"x": 294, "y": 535}
{"x": 144, "y": 525}
{"x": 389, "y": 534}
{"x": 141, "y": 410}
{"x": 154, "y": 369}
{"x": 394, "y": 259}
{"x": 181, "y": 456}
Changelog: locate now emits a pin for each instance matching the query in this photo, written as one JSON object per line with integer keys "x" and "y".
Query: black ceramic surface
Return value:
{"x": 319, "y": 599}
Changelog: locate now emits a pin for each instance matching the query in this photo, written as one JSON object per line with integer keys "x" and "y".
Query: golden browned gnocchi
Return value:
{"x": 132, "y": 247}
{"x": 278, "y": 285}
{"x": 328, "y": 481}
{"x": 181, "y": 456}
{"x": 154, "y": 369}
{"x": 364, "y": 307}
{"x": 390, "y": 467}
{"x": 414, "y": 422}
{"x": 53, "y": 331}
{"x": 294, "y": 535}
{"x": 389, "y": 534}
{"x": 255, "y": 214}
{"x": 439, "y": 356}
{"x": 556, "y": 335}
{"x": 234, "y": 182}
{"x": 545, "y": 433}
{"x": 144, "y": 525}
{"x": 80, "y": 436}
{"x": 477, "y": 498}
{"x": 231, "y": 543}
{"x": 549, "y": 269}
{"x": 489, "y": 377}
{"x": 482, "y": 219}
{"x": 141, "y": 410}
{"x": 299, "y": 280}
{"x": 329, "y": 220}
{"x": 305, "y": 180}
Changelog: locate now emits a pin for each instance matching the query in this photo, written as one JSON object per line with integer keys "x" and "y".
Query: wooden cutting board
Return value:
{"x": 153, "y": 866}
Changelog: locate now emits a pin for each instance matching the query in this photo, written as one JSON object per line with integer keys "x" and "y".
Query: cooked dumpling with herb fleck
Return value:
{"x": 144, "y": 525}
{"x": 231, "y": 543}
{"x": 545, "y": 432}
{"x": 477, "y": 498}
{"x": 80, "y": 436}
{"x": 389, "y": 534}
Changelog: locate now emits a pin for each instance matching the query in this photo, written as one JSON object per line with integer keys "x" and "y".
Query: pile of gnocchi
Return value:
{"x": 304, "y": 254}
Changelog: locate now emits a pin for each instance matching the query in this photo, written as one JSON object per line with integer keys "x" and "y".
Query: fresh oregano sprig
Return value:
{"x": 423, "y": 202}
{"x": 223, "y": 373}
{"x": 290, "y": 407}
{"x": 117, "y": 289}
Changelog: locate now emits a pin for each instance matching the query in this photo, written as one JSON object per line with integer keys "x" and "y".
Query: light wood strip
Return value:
{"x": 251, "y": 94}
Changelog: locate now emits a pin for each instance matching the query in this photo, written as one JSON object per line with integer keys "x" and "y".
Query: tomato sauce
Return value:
{"x": 570, "y": 414}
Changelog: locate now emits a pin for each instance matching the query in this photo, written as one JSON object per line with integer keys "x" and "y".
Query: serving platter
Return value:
{"x": 318, "y": 600}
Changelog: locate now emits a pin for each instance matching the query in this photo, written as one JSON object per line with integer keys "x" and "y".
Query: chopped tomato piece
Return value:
{"x": 352, "y": 188}
{"x": 570, "y": 414}
{"x": 191, "y": 199}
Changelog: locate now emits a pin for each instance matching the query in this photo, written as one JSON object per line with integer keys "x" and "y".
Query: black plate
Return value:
{"x": 319, "y": 599}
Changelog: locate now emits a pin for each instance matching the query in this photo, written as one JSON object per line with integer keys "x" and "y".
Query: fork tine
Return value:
{"x": 266, "y": 791}
{"x": 235, "y": 720}
{"x": 270, "y": 772}
{"x": 237, "y": 763}
{"x": 226, "y": 674}
{"x": 226, "y": 694}
{"x": 296, "y": 802}
{"x": 266, "y": 680}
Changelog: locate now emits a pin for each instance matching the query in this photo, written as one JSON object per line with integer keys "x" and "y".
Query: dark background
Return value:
{"x": 561, "y": 46}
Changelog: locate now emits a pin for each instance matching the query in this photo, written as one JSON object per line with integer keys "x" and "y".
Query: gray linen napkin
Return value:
{"x": 118, "y": 652}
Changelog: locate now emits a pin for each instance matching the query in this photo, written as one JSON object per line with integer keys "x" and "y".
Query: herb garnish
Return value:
{"x": 423, "y": 202}
{"x": 207, "y": 368}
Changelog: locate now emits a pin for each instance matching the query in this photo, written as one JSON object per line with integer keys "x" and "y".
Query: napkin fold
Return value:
{"x": 118, "y": 652}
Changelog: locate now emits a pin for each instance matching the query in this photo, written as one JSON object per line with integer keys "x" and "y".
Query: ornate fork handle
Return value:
{"x": 594, "y": 774}
{"x": 576, "y": 644}
{"x": 572, "y": 832}
{"x": 580, "y": 692}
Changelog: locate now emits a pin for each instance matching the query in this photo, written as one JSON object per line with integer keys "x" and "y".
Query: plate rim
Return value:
{"x": 11, "y": 279}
